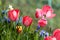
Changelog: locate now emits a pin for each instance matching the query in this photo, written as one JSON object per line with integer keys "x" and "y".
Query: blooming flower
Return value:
{"x": 19, "y": 28}
{"x": 42, "y": 22}
{"x": 10, "y": 6}
{"x": 46, "y": 11}
{"x": 8, "y": 20}
{"x": 46, "y": 34}
{"x": 27, "y": 21}
{"x": 56, "y": 34}
{"x": 13, "y": 14}
{"x": 38, "y": 27}
{"x": 49, "y": 38}
{"x": 42, "y": 32}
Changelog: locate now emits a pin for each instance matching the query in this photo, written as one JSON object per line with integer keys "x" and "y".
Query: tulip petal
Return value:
{"x": 56, "y": 34}
{"x": 42, "y": 22}
{"x": 38, "y": 13}
{"x": 50, "y": 14}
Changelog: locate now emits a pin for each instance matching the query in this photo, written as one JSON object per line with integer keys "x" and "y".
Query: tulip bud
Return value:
{"x": 19, "y": 29}
{"x": 13, "y": 14}
{"x": 27, "y": 21}
{"x": 42, "y": 22}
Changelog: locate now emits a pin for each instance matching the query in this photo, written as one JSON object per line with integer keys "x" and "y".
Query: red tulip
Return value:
{"x": 38, "y": 13}
{"x": 50, "y": 38}
{"x": 42, "y": 22}
{"x": 56, "y": 33}
{"x": 27, "y": 21}
{"x": 13, "y": 14}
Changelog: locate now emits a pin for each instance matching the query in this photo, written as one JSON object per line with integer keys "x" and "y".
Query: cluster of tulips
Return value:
{"x": 42, "y": 14}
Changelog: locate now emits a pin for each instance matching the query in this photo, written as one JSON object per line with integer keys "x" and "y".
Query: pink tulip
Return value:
{"x": 13, "y": 14}
{"x": 56, "y": 33}
{"x": 42, "y": 22}
{"x": 48, "y": 11}
{"x": 46, "y": 8}
{"x": 38, "y": 13}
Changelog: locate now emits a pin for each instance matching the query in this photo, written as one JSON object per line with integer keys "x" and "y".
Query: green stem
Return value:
{"x": 27, "y": 33}
{"x": 18, "y": 37}
{"x": 36, "y": 36}
{"x": 50, "y": 2}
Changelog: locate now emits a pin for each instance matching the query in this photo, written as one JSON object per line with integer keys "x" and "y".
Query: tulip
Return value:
{"x": 42, "y": 22}
{"x": 49, "y": 38}
{"x": 48, "y": 11}
{"x": 13, "y": 14}
{"x": 56, "y": 34}
{"x": 46, "y": 8}
{"x": 27, "y": 21}
{"x": 19, "y": 29}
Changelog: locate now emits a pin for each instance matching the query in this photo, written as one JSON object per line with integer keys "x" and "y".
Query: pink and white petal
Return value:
{"x": 53, "y": 38}
{"x": 38, "y": 9}
{"x": 38, "y": 13}
{"x": 46, "y": 8}
{"x": 53, "y": 15}
{"x": 49, "y": 14}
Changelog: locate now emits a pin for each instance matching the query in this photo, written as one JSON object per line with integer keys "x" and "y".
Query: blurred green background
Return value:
{"x": 28, "y": 7}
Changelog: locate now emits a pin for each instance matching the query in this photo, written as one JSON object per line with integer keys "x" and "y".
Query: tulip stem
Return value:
{"x": 18, "y": 37}
{"x": 27, "y": 32}
{"x": 36, "y": 36}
